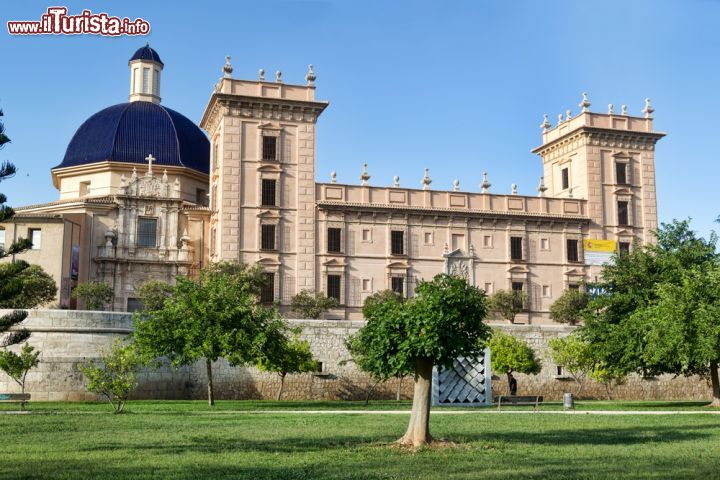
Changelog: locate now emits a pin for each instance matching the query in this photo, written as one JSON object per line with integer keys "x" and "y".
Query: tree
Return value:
{"x": 508, "y": 303}
{"x": 576, "y": 357}
{"x": 307, "y": 304}
{"x": 442, "y": 322}
{"x": 18, "y": 366}
{"x": 95, "y": 294}
{"x": 569, "y": 306}
{"x": 34, "y": 287}
{"x": 116, "y": 377}
{"x": 509, "y": 354}
{"x": 607, "y": 376}
{"x": 625, "y": 326}
{"x": 289, "y": 355}
{"x": 153, "y": 294}
{"x": 214, "y": 316}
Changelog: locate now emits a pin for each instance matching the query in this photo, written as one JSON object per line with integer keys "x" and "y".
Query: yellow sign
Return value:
{"x": 605, "y": 246}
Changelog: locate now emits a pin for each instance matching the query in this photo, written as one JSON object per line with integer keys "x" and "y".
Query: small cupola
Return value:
{"x": 145, "y": 67}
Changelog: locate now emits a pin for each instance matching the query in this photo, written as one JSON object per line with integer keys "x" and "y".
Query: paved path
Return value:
{"x": 484, "y": 411}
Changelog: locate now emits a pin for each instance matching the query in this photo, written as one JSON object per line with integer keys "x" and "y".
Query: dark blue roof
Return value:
{"x": 147, "y": 53}
{"x": 129, "y": 132}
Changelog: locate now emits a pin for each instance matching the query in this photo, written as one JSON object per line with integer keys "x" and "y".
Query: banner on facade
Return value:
{"x": 598, "y": 252}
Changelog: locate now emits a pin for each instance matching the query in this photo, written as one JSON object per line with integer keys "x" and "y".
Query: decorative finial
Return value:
{"x": 610, "y": 109}
{"x": 426, "y": 181}
{"x": 164, "y": 177}
{"x": 227, "y": 68}
{"x": 541, "y": 187}
{"x": 513, "y": 189}
{"x": 568, "y": 115}
{"x": 278, "y": 76}
{"x": 261, "y": 74}
{"x": 485, "y": 185}
{"x": 560, "y": 118}
{"x": 333, "y": 177}
{"x": 456, "y": 185}
{"x": 364, "y": 177}
{"x": 623, "y": 110}
{"x": 310, "y": 75}
{"x": 546, "y": 123}
{"x": 149, "y": 159}
{"x": 396, "y": 181}
{"x": 648, "y": 110}
{"x": 585, "y": 104}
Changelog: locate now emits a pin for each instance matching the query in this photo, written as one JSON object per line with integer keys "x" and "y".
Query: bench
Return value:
{"x": 533, "y": 400}
{"x": 21, "y": 398}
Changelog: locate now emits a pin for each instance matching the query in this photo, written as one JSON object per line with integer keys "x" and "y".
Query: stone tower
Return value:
{"x": 608, "y": 160}
{"x": 262, "y": 177}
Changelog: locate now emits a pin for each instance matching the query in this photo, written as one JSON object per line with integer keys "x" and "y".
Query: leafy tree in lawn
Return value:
{"x": 684, "y": 326}
{"x": 9, "y": 284}
{"x": 442, "y": 322}
{"x": 509, "y": 354}
{"x": 18, "y": 366}
{"x": 214, "y": 316}
{"x": 508, "y": 303}
{"x": 576, "y": 357}
{"x": 608, "y": 376}
{"x": 153, "y": 294}
{"x": 307, "y": 304}
{"x": 96, "y": 294}
{"x": 615, "y": 323}
{"x": 116, "y": 377}
{"x": 286, "y": 355}
{"x": 568, "y": 308}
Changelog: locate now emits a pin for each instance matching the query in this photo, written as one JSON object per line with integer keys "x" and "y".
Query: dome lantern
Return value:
{"x": 145, "y": 67}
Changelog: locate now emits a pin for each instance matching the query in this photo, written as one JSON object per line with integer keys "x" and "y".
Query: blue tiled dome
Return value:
{"x": 129, "y": 132}
{"x": 146, "y": 53}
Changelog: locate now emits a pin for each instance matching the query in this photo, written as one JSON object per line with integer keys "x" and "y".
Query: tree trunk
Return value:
{"x": 579, "y": 387}
{"x": 211, "y": 394}
{"x": 369, "y": 392}
{"x": 715, "y": 380}
{"x": 608, "y": 390}
{"x": 418, "y": 432}
{"x": 399, "y": 389}
{"x": 280, "y": 389}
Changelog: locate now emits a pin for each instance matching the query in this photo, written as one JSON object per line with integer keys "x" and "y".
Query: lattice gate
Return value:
{"x": 468, "y": 382}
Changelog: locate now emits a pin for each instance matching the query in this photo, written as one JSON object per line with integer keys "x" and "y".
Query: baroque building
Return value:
{"x": 136, "y": 178}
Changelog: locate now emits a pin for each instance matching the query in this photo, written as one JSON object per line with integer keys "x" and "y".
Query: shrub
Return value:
{"x": 18, "y": 366}
{"x": 508, "y": 303}
{"x": 153, "y": 293}
{"x": 307, "y": 304}
{"x": 569, "y": 306}
{"x": 34, "y": 287}
{"x": 95, "y": 294}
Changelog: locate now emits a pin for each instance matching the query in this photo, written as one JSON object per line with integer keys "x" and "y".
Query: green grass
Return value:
{"x": 186, "y": 440}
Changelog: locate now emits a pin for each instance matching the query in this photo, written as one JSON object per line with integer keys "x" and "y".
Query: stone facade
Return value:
{"x": 68, "y": 338}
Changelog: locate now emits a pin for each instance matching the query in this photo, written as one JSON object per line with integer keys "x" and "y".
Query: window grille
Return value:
{"x": 622, "y": 213}
{"x": 572, "y": 251}
{"x": 268, "y": 237}
{"x": 516, "y": 248}
{"x": 267, "y": 293}
{"x": 333, "y": 240}
{"x": 147, "y": 232}
{"x": 333, "y": 286}
{"x": 269, "y": 198}
{"x": 621, "y": 173}
{"x": 397, "y": 242}
{"x": 397, "y": 285}
{"x": 565, "y": 178}
{"x": 269, "y": 148}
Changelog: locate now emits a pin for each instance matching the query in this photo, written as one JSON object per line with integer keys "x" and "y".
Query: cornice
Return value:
{"x": 604, "y": 137}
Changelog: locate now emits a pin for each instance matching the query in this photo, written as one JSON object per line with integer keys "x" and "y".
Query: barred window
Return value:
{"x": 516, "y": 248}
{"x": 397, "y": 285}
{"x": 621, "y": 173}
{"x": 572, "y": 251}
{"x": 268, "y": 193}
{"x": 624, "y": 248}
{"x": 397, "y": 242}
{"x": 267, "y": 242}
{"x": 269, "y": 148}
{"x": 622, "y": 213}
{"x": 267, "y": 294}
{"x": 147, "y": 232}
{"x": 517, "y": 286}
{"x": 333, "y": 286}
{"x": 333, "y": 240}
{"x": 565, "y": 178}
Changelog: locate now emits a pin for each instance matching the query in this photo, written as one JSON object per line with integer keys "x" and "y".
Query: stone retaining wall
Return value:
{"x": 68, "y": 338}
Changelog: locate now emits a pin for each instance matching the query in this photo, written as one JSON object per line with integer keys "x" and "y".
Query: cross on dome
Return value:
{"x": 150, "y": 159}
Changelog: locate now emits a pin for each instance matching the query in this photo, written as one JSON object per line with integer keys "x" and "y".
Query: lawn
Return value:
{"x": 186, "y": 440}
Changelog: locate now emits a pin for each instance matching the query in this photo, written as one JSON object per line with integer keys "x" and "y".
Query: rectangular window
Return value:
{"x": 269, "y": 193}
{"x": 624, "y": 248}
{"x": 333, "y": 240}
{"x": 35, "y": 236}
{"x": 546, "y": 291}
{"x": 487, "y": 241}
{"x": 366, "y": 284}
{"x": 565, "y": 178}
{"x": 215, "y": 159}
{"x": 134, "y": 304}
{"x": 201, "y": 196}
{"x": 146, "y": 80}
{"x": 156, "y": 83}
{"x": 574, "y": 286}
{"x": 147, "y": 232}
{"x": 621, "y": 173}
{"x": 84, "y": 189}
{"x": 267, "y": 242}
{"x": 213, "y": 240}
{"x": 397, "y": 285}
{"x": 488, "y": 288}
{"x": 267, "y": 293}
{"x": 517, "y": 286}
{"x": 214, "y": 198}
{"x": 428, "y": 238}
{"x": 458, "y": 241}
{"x": 333, "y": 286}
{"x": 572, "y": 251}
{"x": 269, "y": 148}
{"x": 2, "y": 239}
{"x": 397, "y": 242}
{"x": 622, "y": 213}
{"x": 544, "y": 244}
{"x": 516, "y": 248}
{"x": 366, "y": 237}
